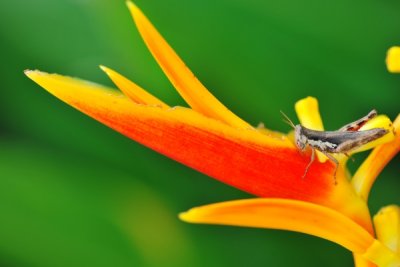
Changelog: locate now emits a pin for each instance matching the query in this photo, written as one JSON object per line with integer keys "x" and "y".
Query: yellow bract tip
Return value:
{"x": 132, "y": 90}
{"x": 184, "y": 216}
{"x": 130, "y": 4}
{"x": 134, "y": 9}
{"x": 103, "y": 68}
{"x": 387, "y": 225}
{"x": 184, "y": 81}
{"x": 393, "y": 59}
{"x": 27, "y": 72}
{"x": 33, "y": 73}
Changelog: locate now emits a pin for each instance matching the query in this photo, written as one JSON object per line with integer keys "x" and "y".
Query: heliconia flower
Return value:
{"x": 210, "y": 138}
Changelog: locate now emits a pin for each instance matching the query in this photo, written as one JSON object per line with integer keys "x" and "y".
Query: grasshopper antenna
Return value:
{"x": 287, "y": 120}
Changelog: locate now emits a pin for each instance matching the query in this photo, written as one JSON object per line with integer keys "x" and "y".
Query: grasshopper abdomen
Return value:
{"x": 340, "y": 142}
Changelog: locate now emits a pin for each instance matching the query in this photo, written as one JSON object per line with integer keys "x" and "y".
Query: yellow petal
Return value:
{"x": 369, "y": 170}
{"x": 132, "y": 90}
{"x": 308, "y": 113}
{"x": 381, "y": 255}
{"x": 387, "y": 227}
{"x": 285, "y": 214}
{"x": 296, "y": 216}
{"x": 189, "y": 87}
{"x": 393, "y": 59}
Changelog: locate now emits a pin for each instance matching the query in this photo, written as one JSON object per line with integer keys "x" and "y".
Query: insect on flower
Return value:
{"x": 344, "y": 140}
{"x": 211, "y": 139}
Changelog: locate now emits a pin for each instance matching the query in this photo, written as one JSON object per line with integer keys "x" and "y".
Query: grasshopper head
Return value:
{"x": 300, "y": 138}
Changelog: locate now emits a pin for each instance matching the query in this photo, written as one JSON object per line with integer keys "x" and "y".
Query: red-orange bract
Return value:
{"x": 211, "y": 139}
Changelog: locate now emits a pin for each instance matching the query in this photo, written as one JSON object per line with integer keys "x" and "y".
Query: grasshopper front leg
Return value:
{"x": 311, "y": 161}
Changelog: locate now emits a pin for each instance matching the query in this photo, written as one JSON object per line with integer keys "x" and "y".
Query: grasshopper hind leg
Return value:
{"x": 329, "y": 156}
{"x": 332, "y": 158}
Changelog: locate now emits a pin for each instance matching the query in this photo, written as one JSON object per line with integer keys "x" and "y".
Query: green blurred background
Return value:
{"x": 75, "y": 193}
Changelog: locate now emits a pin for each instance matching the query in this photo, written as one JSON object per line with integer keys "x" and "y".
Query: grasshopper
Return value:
{"x": 342, "y": 141}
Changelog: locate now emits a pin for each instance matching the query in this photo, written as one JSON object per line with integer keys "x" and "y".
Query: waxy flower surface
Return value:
{"x": 209, "y": 138}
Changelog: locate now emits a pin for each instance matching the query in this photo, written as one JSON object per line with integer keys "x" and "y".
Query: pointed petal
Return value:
{"x": 369, "y": 170}
{"x": 393, "y": 59}
{"x": 387, "y": 226}
{"x": 295, "y": 216}
{"x": 284, "y": 214}
{"x": 308, "y": 113}
{"x": 189, "y": 87}
{"x": 246, "y": 159}
{"x": 132, "y": 90}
